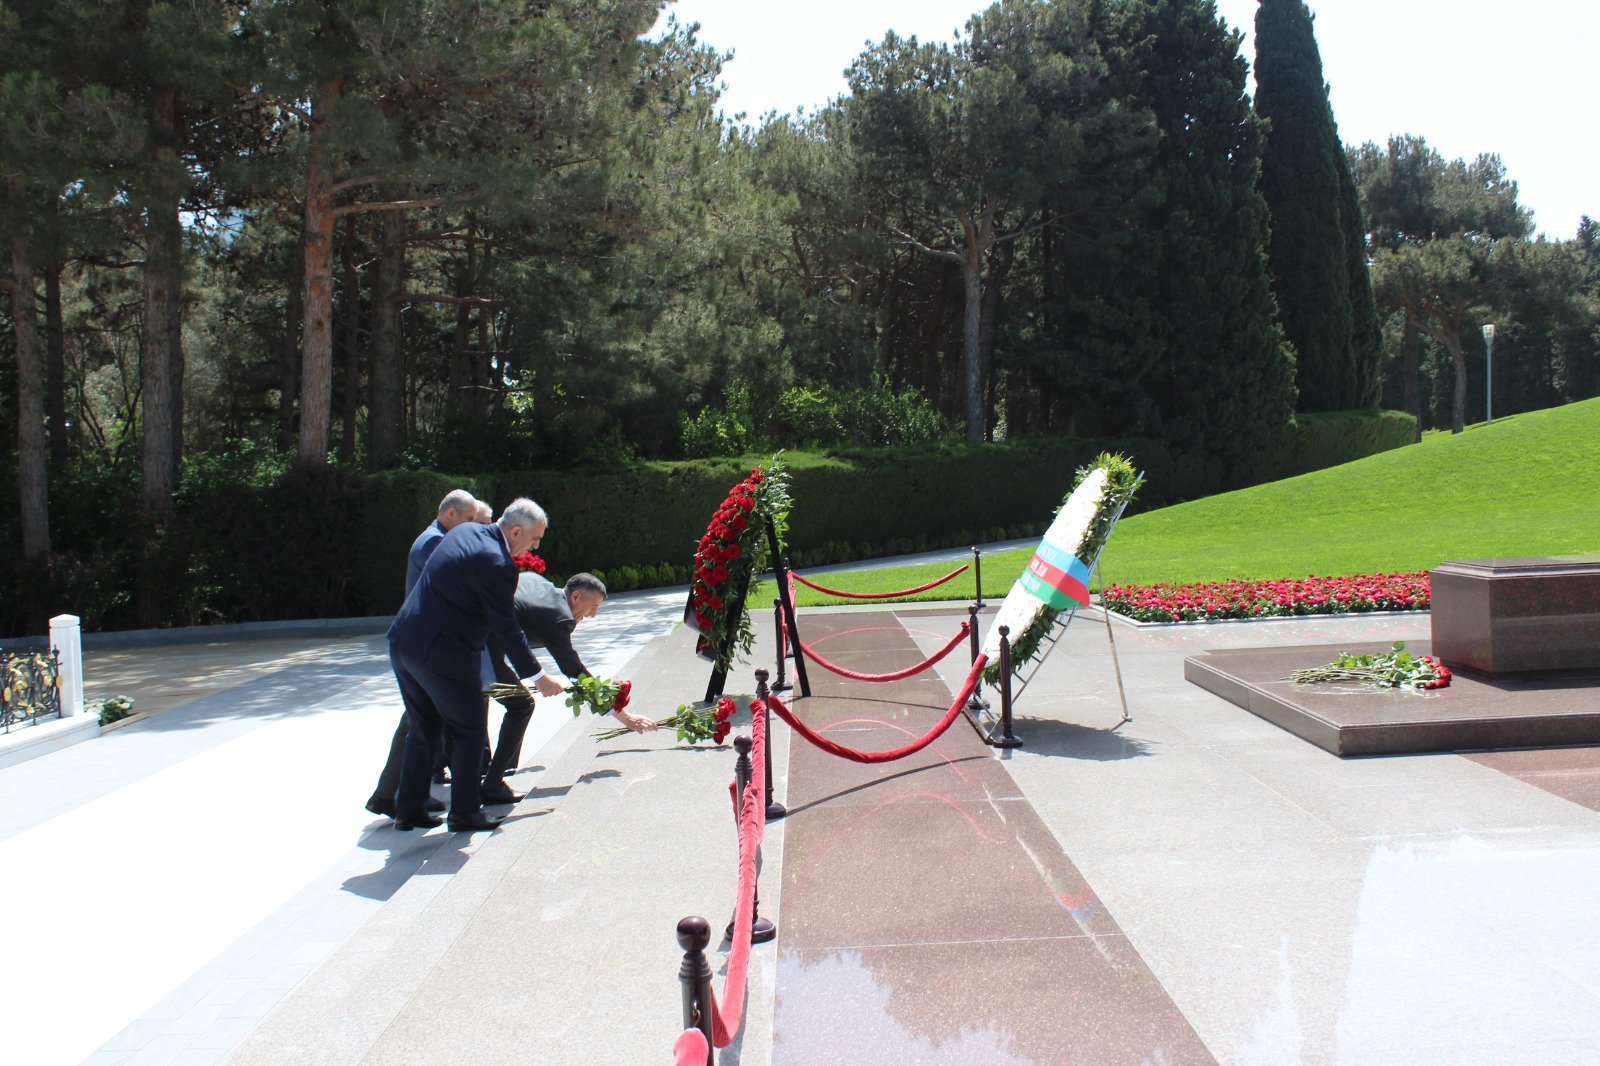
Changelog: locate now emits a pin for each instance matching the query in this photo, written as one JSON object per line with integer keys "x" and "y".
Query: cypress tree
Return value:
{"x": 1316, "y": 251}
{"x": 1223, "y": 385}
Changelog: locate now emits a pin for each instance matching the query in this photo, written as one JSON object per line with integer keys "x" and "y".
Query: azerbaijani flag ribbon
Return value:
{"x": 1056, "y": 577}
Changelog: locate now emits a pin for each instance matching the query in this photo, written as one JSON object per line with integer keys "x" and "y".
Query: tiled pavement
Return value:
{"x": 220, "y": 896}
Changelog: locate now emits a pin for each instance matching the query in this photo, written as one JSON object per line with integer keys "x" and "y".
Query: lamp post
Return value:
{"x": 1488, "y": 374}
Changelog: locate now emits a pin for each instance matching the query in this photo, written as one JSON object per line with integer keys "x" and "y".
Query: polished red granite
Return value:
{"x": 929, "y": 915}
{"x": 1571, "y": 773}
{"x": 1518, "y": 617}
{"x": 1359, "y": 719}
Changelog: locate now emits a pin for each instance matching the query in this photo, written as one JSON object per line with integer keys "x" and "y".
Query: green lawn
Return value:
{"x": 1527, "y": 485}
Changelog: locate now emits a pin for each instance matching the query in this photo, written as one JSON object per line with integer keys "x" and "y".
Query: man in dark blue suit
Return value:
{"x": 436, "y": 645}
{"x": 458, "y": 506}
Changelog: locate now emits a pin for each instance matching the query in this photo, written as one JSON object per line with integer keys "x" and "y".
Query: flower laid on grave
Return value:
{"x": 733, "y": 548}
{"x": 529, "y": 562}
{"x": 1396, "y": 668}
{"x": 1058, "y": 574}
{"x": 1207, "y": 601}
{"x": 693, "y": 722}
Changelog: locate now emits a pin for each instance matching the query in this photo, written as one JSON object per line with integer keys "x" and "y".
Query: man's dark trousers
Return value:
{"x": 513, "y": 726}
{"x": 439, "y": 704}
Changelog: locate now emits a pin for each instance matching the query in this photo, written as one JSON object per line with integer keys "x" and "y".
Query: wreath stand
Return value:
{"x": 1047, "y": 644}
{"x": 722, "y": 643}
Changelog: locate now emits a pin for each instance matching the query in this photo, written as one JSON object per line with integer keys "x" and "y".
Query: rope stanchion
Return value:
{"x": 915, "y": 746}
{"x": 694, "y": 935}
{"x": 782, "y": 684}
{"x": 898, "y": 675}
{"x": 879, "y": 595}
{"x": 714, "y": 1024}
{"x": 727, "y": 1016}
{"x": 775, "y": 810}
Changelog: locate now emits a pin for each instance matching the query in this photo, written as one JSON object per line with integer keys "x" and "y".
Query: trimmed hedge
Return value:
{"x": 333, "y": 543}
{"x": 855, "y": 503}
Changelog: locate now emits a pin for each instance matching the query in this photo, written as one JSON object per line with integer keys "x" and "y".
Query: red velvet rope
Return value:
{"x": 752, "y": 827}
{"x": 898, "y": 675}
{"x": 883, "y": 756}
{"x": 879, "y": 595}
{"x": 690, "y": 1049}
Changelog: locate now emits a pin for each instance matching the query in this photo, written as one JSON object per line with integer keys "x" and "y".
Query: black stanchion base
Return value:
{"x": 761, "y": 931}
{"x": 1005, "y": 742}
{"x": 782, "y": 686}
{"x": 977, "y": 703}
{"x": 776, "y": 810}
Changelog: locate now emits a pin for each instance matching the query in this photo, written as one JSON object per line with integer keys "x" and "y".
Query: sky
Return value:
{"x": 1470, "y": 76}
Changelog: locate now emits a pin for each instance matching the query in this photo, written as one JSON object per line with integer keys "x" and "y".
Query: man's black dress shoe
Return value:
{"x": 471, "y": 823}
{"x": 502, "y": 794}
{"x": 378, "y": 805}
{"x": 422, "y": 821}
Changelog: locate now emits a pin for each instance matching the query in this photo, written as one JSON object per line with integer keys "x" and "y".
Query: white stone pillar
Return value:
{"x": 66, "y": 638}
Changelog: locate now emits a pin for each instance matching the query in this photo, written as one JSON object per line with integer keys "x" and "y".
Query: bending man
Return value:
{"x": 548, "y": 615}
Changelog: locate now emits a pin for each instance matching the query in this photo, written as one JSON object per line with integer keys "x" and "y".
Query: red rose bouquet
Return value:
{"x": 1396, "y": 668}
{"x": 693, "y": 722}
{"x": 529, "y": 562}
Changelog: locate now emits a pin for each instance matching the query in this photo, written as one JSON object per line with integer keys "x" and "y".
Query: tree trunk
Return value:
{"x": 316, "y": 346}
{"x": 351, "y": 309}
{"x": 1458, "y": 412}
{"x": 972, "y": 357}
{"x": 1004, "y": 254}
{"x": 55, "y": 364}
{"x": 289, "y": 350}
{"x": 386, "y": 411}
{"x": 1410, "y": 353}
{"x": 32, "y": 478}
{"x": 161, "y": 354}
{"x": 483, "y": 367}
{"x": 458, "y": 401}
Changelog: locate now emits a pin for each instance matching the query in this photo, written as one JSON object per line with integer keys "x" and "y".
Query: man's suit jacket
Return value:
{"x": 465, "y": 593}
{"x": 546, "y": 616}
{"x": 421, "y": 548}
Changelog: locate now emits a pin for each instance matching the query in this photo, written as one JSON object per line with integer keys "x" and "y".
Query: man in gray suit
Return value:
{"x": 547, "y": 615}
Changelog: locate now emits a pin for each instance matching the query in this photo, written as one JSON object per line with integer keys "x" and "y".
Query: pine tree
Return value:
{"x": 1316, "y": 251}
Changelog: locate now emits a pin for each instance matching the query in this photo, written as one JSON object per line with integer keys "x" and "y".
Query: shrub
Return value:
{"x": 115, "y": 709}
{"x": 717, "y": 433}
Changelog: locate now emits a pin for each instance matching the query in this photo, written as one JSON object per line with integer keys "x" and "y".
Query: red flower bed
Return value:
{"x": 1270, "y": 599}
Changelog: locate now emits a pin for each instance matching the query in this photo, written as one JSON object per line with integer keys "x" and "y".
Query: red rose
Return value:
{"x": 720, "y": 574}
{"x": 720, "y": 733}
{"x": 623, "y": 690}
{"x": 731, "y": 552}
{"x": 725, "y": 709}
{"x": 714, "y": 602}
{"x": 704, "y": 621}
{"x": 740, "y": 522}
